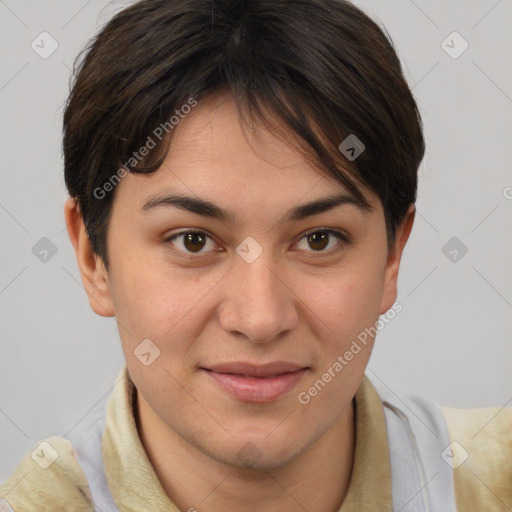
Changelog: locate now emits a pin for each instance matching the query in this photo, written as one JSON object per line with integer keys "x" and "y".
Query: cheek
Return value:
{"x": 345, "y": 307}
{"x": 158, "y": 301}
{"x": 342, "y": 303}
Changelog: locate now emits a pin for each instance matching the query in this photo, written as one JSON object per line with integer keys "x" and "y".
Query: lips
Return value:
{"x": 256, "y": 383}
{"x": 253, "y": 370}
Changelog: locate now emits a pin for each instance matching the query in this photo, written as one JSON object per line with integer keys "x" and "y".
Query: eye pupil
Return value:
{"x": 318, "y": 240}
{"x": 191, "y": 239}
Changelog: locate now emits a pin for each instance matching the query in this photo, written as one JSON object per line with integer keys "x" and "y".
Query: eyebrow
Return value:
{"x": 209, "y": 209}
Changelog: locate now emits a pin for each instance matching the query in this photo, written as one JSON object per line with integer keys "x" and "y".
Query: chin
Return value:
{"x": 257, "y": 453}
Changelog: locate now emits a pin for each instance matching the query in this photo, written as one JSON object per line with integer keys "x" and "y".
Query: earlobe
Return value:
{"x": 91, "y": 266}
{"x": 403, "y": 231}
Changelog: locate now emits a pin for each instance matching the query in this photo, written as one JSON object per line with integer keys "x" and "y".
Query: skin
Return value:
{"x": 287, "y": 305}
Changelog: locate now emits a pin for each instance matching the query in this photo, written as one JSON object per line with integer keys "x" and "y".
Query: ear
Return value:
{"x": 92, "y": 268}
{"x": 393, "y": 262}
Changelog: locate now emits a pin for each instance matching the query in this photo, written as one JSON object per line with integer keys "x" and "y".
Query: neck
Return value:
{"x": 317, "y": 479}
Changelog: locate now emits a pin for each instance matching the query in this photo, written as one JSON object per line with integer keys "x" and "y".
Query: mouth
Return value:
{"x": 253, "y": 383}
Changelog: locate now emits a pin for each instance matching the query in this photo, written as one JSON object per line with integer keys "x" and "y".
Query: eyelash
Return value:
{"x": 342, "y": 238}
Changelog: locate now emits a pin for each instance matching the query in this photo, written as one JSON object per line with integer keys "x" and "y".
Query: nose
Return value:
{"x": 257, "y": 302}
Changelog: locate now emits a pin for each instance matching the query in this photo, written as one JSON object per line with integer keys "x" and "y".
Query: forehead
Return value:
{"x": 214, "y": 136}
{"x": 214, "y": 156}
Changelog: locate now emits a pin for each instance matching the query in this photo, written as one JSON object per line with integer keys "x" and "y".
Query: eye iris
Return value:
{"x": 318, "y": 240}
{"x": 191, "y": 239}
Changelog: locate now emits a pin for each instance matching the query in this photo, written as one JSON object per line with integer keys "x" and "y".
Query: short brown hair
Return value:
{"x": 322, "y": 66}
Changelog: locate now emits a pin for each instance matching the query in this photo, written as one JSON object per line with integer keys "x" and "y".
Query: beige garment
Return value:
{"x": 482, "y": 483}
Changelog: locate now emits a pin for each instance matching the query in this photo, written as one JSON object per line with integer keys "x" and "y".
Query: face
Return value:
{"x": 246, "y": 312}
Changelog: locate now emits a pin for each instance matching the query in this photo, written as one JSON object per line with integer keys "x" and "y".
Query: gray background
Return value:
{"x": 451, "y": 342}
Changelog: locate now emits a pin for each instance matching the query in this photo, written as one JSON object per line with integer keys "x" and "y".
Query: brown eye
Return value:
{"x": 323, "y": 241}
{"x": 318, "y": 240}
{"x": 194, "y": 241}
{"x": 191, "y": 242}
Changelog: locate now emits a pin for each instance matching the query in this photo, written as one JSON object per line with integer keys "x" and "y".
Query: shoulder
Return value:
{"x": 48, "y": 478}
{"x": 480, "y": 454}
